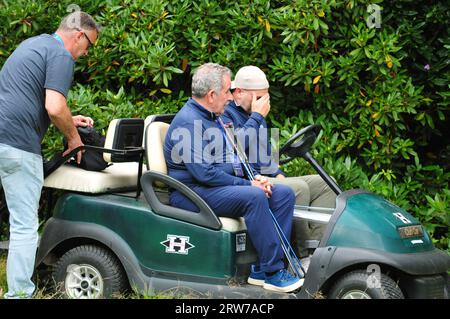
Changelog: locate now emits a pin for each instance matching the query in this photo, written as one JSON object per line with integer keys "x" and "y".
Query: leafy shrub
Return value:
{"x": 380, "y": 94}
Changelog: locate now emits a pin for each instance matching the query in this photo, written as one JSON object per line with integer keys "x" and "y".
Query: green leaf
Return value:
{"x": 316, "y": 24}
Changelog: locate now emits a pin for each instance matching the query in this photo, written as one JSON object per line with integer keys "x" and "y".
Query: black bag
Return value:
{"x": 91, "y": 159}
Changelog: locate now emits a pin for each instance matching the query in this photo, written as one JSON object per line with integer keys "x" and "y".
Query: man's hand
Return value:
{"x": 262, "y": 105}
{"x": 72, "y": 144}
{"x": 84, "y": 121}
{"x": 280, "y": 176}
{"x": 264, "y": 184}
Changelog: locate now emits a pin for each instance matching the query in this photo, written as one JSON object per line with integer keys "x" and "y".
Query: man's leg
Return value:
{"x": 299, "y": 186}
{"x": 310, "y": 190}
{"x": 22, "y": 179}
{"x": 282, "y": 205}
{"x": 321, "y": 194}
{"x": 251, "y": 203}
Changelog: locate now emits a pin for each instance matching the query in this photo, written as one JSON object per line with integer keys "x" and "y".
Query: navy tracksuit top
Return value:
{"x": 189, "y": 135}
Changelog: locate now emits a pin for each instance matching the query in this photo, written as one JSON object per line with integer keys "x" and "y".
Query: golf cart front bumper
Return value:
{"x": 420, "y": 275}
{"x": 426, "y": 287}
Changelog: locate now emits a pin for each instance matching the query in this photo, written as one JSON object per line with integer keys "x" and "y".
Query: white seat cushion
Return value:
{"x": 118, "y": 176}
{"x": 109, "y": 139}
{"x": 155, "y": 136}
{"x": 233, "y": 224}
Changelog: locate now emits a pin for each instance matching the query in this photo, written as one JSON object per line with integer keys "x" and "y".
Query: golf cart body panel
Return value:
{"x": 139, "y": 239}
{"x": 140, "y": 249}
{"x": 328, "y": 263}
{"x": 364, "y": 231}
{"x": 159, "y": 243}
{"x": 365, "y": 220}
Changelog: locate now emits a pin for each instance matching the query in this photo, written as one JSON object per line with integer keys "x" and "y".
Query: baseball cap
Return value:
{"x": 250, "y": 77}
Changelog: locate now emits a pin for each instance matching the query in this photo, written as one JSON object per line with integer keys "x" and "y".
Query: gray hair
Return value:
{"x": 79, "y": 20}
{"x": 208, "y": 76}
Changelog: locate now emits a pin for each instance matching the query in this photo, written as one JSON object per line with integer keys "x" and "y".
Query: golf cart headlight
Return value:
{"x": 410, "y": 231}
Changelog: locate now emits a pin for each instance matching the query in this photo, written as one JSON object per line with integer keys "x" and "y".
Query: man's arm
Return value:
{"x": 201, "y": 168}
{"x": 83, "y": 121}
{"x": 260, "y": 108}
{"x": 247, "y": 135}
{"x": 59, "y": 113}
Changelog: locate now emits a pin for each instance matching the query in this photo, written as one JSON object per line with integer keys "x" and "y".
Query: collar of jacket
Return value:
{"x": 207, "y": 114}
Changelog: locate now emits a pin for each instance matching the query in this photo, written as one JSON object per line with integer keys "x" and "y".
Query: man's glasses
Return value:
{"x": 87, "y": 38}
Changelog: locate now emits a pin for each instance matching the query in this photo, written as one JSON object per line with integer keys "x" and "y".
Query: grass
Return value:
{"x": 41, "y": 292}
{"x": 2, "y": 273}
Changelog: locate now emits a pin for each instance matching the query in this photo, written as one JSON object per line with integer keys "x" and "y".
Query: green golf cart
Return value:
{"x": 115, "y": 230}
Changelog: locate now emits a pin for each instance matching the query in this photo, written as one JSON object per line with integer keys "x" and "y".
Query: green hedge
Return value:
{"x": 380, "y": 94}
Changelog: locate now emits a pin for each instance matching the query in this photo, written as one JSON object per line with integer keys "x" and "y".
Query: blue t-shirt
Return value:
{"x": 37, "y": 64}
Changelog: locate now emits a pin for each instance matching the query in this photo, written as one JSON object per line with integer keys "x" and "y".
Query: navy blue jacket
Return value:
{"x": 243, "y": 121}
{"x": 192, "y": 149}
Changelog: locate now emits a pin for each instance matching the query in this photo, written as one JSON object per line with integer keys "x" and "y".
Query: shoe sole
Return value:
{"x": 256, "y": 282}
{"x": 289, "y": 288}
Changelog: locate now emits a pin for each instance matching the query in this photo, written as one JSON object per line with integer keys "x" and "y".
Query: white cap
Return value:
{"x": 250, "y": 78}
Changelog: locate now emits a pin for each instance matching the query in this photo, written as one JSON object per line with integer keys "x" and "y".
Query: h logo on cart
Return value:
{"x": 402, "y": 218}
{"x": 176, "y": 244}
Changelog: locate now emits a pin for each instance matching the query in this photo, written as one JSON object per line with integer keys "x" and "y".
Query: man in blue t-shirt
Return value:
{"x": 34, "y": 83}
{"x": 247, "y": 113}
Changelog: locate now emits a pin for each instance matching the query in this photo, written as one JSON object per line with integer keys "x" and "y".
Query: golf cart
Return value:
{"x": 103, "y": 239}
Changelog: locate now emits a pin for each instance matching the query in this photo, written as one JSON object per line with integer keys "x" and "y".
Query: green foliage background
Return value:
{"x": 381, "y": 95}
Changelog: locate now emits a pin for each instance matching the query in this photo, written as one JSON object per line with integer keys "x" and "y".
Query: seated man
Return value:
{"x": 251, "y": 105}
{"x": 194, "y": 152}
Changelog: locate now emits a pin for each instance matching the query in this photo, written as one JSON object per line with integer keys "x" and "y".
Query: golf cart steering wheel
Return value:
{"x": 299, "y": 144}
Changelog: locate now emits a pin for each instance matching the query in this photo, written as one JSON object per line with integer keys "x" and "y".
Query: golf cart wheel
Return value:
{"x": 89, "y": 272}
{"x": 355, "y": 285}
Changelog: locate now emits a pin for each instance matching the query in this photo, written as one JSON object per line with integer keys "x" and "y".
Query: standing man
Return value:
{"x": 247, "y": 113}
{"x": 34, "y": 83}
{"x": 195, "y": 155}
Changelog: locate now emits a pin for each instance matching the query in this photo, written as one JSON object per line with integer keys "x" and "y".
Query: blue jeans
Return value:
{"x": 21, "y": 176}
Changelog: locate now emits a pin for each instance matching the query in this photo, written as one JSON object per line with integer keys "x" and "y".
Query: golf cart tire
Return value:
{"x": 99, "y": 260}
{"x": 357, "y": 281}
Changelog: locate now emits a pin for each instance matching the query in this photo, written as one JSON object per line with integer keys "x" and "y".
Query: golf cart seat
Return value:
{"x": 155, "y": 135}
{"x": 122, "y": 175}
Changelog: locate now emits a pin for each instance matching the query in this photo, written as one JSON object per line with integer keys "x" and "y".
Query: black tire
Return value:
{"x": 98, "y": 271}
{"x": 356, "y": 283}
